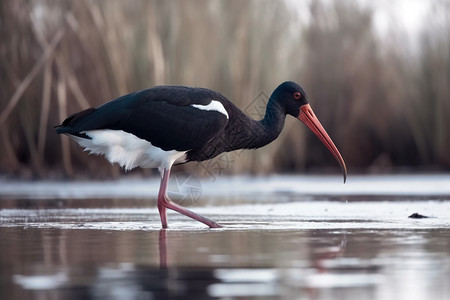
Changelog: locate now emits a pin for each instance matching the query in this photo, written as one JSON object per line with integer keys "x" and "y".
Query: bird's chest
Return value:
{"x": 233, "y": 138}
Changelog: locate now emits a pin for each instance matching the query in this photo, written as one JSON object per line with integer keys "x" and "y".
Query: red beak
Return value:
{"x": 308, "y": 117}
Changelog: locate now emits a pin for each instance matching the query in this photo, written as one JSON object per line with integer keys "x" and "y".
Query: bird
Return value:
{"x": 168, "y": 125}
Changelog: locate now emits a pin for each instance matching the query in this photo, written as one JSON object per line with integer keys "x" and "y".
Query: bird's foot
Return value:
{"x": 166, "y": 203}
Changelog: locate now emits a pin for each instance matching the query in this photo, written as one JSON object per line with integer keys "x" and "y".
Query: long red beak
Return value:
{"x": 308, "y": 117}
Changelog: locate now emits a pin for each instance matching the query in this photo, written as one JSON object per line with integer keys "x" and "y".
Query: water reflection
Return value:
{"x": 163, "y": 249}
{"x": 319, "y": 264}
{"x": 71, "y": 264}
{"x": 310, "y": 250}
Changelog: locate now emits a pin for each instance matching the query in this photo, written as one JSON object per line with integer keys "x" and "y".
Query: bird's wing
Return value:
{"x": 169, "y": 122}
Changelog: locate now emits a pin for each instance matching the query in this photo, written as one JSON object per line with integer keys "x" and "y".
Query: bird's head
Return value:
{"x": 294, "y": 100}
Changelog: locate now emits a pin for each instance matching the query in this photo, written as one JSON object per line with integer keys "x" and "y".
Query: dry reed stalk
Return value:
{"x": 29, "y": 78}
{"x": 62, "y": 65}
{"x": 45, "y": 108}
{"x": 61, "y": 91}
{"x": 11, "y": 155}
{"x": 28, "y": 128}
{"x": 72, "y": 81}
{"x": 157, "y": 54}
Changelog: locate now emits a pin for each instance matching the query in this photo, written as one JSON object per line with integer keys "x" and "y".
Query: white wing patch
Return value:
{"x": 214, "y": 105}
{"x": 128, "y": 150}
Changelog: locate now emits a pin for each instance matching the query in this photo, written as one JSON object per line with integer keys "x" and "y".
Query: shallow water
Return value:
{"x": 277, "y": 242}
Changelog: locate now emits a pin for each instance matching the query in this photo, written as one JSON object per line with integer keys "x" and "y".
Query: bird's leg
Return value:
{"x": 162, "y": 198}
{"x": 164, "y": 202}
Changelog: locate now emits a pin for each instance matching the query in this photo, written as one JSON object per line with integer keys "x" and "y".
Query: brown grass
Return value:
{"x": 385, "y": 106}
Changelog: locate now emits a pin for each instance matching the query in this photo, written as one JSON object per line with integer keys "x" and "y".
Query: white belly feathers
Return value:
{"x": 128, "y": 150}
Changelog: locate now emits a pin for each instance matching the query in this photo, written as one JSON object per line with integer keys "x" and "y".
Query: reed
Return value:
{"x": 384, "y": 105}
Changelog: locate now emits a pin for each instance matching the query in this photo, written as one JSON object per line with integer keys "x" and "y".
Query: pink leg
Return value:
{"x": 164, "y": 202}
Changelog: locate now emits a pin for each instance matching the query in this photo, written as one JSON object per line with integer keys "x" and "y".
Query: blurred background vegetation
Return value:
{"x": 384, "y": 97}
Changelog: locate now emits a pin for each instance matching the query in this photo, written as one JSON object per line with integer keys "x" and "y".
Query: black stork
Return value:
{"x": 167, "y": 125}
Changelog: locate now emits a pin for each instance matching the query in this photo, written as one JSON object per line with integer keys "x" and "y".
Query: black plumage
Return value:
{"x": 182, "y": 124}
{"x": 162, "y": 115}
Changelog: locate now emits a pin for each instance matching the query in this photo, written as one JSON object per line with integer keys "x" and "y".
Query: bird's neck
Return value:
{"x": 269, "y": 128}
{"x": 243, "y": 132}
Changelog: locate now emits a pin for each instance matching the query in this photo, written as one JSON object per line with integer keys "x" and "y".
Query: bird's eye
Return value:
{"x": 297, "y": 95}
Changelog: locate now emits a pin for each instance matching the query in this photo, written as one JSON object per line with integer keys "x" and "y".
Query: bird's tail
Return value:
{"x": 68, "y": 126}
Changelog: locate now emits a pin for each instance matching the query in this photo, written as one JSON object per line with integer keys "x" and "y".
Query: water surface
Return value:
{"x": 277, "y": 243}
